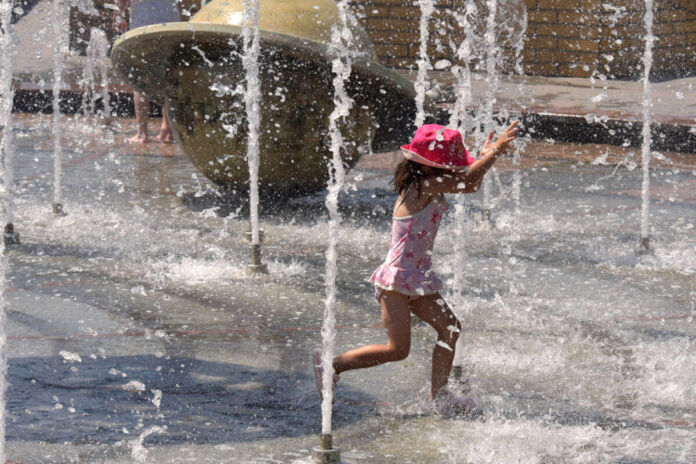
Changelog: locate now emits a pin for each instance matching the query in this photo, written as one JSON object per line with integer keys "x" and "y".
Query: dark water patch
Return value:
{"x": 201, "y": 401}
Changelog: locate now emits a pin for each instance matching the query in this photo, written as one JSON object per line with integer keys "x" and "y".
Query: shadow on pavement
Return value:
{"x": 96, "y": 400}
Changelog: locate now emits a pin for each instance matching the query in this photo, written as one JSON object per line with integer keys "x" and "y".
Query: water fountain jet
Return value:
{"x": 491, "y": 90}
{"x": 252, "y": 97}
{"x": 97, "y": 52}
{"x": 6, "y": 53}
{"x": 427, "y": 8}
{"x": 647, "y": 136}
{"x": 60, "y": 29}
{"x": 7, "y": 148}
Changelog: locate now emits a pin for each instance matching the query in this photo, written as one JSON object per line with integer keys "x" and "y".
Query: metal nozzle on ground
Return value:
{"x": 645, "y": 248}
{"x": 256, "y": 267}
{"x": 326, "y": 453}
{"x": 58, "y": 209}
{"x": 11, "y": 237}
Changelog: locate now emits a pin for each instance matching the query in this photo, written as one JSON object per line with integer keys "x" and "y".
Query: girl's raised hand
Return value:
{"x": 508, "y": 135}
{"x": 502, "y": 144}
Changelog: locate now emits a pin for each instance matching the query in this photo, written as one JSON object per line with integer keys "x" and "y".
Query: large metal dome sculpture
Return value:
{"x": 196, "y": 69}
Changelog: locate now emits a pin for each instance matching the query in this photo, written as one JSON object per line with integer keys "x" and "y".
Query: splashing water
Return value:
{"x": 518, "y": 41}
{"x": 7, "y": 52}
{"x": 250, "y": 61}
{"x": 459, "y": 121}
{"x": 491, "y": 91}
{"x": 427, "y": 7}
{"x": 647, "y": 107}
{"x": 613, "y": 15}
{"x": 341, "y": 40}
{"x": 6, "y": 149}
{"x": 458, "y": 118}
{"x": 508, "y": 334}
{"x": 60, "y": 28}
{"x": 138, "y": 451}
{"x": 97, "y": 49}
{"x": 250, "y": 35}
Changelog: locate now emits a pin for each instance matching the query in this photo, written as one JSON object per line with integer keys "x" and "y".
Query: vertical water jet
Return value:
{"x": 458, "y": 120}
{"x": 250, "y": 63}
{"x": 341, "y": 41}
{"x": 647, "y": 139}
{"x": 491, "y": 91}
{"x": 7, "y": 52}
{"x": 96, "y": 65}
{"x": 518, "y": 44}
{"x": 59, "y": 35}
{"x": 427, "y": 7}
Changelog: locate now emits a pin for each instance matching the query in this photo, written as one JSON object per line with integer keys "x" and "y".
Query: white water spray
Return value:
{"x": 6, "y": 55}
{"x": 517, "y": 40}
{"x": 60, "y": 36}
{"x": 7, "y": 52}
{"x": 460, "y": 121}
{"x": 492, "y": 89}
{"x": 647, "y": 109}
{"x": 252, "y": 97}
{"x": 613, "y": 14}
{"x": 97, "y": 50}
{"x": 427, "y": 7}
{"x": 341, "y": 40}
{"x": 138, "y": 451}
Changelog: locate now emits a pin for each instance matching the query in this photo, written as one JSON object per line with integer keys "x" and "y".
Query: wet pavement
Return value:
{"x": 134, "y": 334}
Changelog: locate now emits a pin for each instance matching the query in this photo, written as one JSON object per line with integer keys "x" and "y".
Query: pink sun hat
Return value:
{"x": 436, "y": 146}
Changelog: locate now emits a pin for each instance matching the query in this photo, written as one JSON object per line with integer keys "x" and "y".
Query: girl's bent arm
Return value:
{"x": 469, "y": 181}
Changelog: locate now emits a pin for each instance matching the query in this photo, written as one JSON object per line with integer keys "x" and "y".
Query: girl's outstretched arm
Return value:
{"x": 469, "y": 181}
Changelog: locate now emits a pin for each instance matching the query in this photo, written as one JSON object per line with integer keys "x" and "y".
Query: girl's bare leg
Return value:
{"x": 165, "y": 135}
{"x": 142, "y": 109}
{"x": 396, "y": 318}
{"x": 433, "y": 310}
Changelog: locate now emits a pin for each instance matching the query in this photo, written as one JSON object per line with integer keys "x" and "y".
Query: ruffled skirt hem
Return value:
{"x": 412, "y": 284}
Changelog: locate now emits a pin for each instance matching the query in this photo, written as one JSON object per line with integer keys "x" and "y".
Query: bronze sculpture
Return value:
{"x": 196, "y": 68}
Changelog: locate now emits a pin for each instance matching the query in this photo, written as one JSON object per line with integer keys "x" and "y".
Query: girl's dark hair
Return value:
{"x": 407, "y": 172}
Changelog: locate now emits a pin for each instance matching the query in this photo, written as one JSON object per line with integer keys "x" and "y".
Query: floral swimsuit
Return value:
{"x": 407, "y": 267}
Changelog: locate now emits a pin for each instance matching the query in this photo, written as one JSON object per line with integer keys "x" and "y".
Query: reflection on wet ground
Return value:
{"x": 135, "y": 335}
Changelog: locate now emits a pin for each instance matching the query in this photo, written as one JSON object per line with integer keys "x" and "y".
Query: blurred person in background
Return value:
{"x": 143, "y": 13}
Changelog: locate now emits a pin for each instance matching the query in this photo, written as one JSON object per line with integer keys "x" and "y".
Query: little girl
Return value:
{"x": 434, "y": 163}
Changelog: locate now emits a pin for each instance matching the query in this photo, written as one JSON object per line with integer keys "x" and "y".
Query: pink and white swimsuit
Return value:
{"x": 407, "y": 267}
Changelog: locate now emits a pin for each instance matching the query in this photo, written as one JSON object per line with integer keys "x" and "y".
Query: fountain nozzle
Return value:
{"x": 11, "y": 237}
{"x": 645, "y": 248}
{"x": 256, "y": 267}
{"x": 487, "y": 216}
{"x": 58, "y": 209}
{"x": 326, "y": 453}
